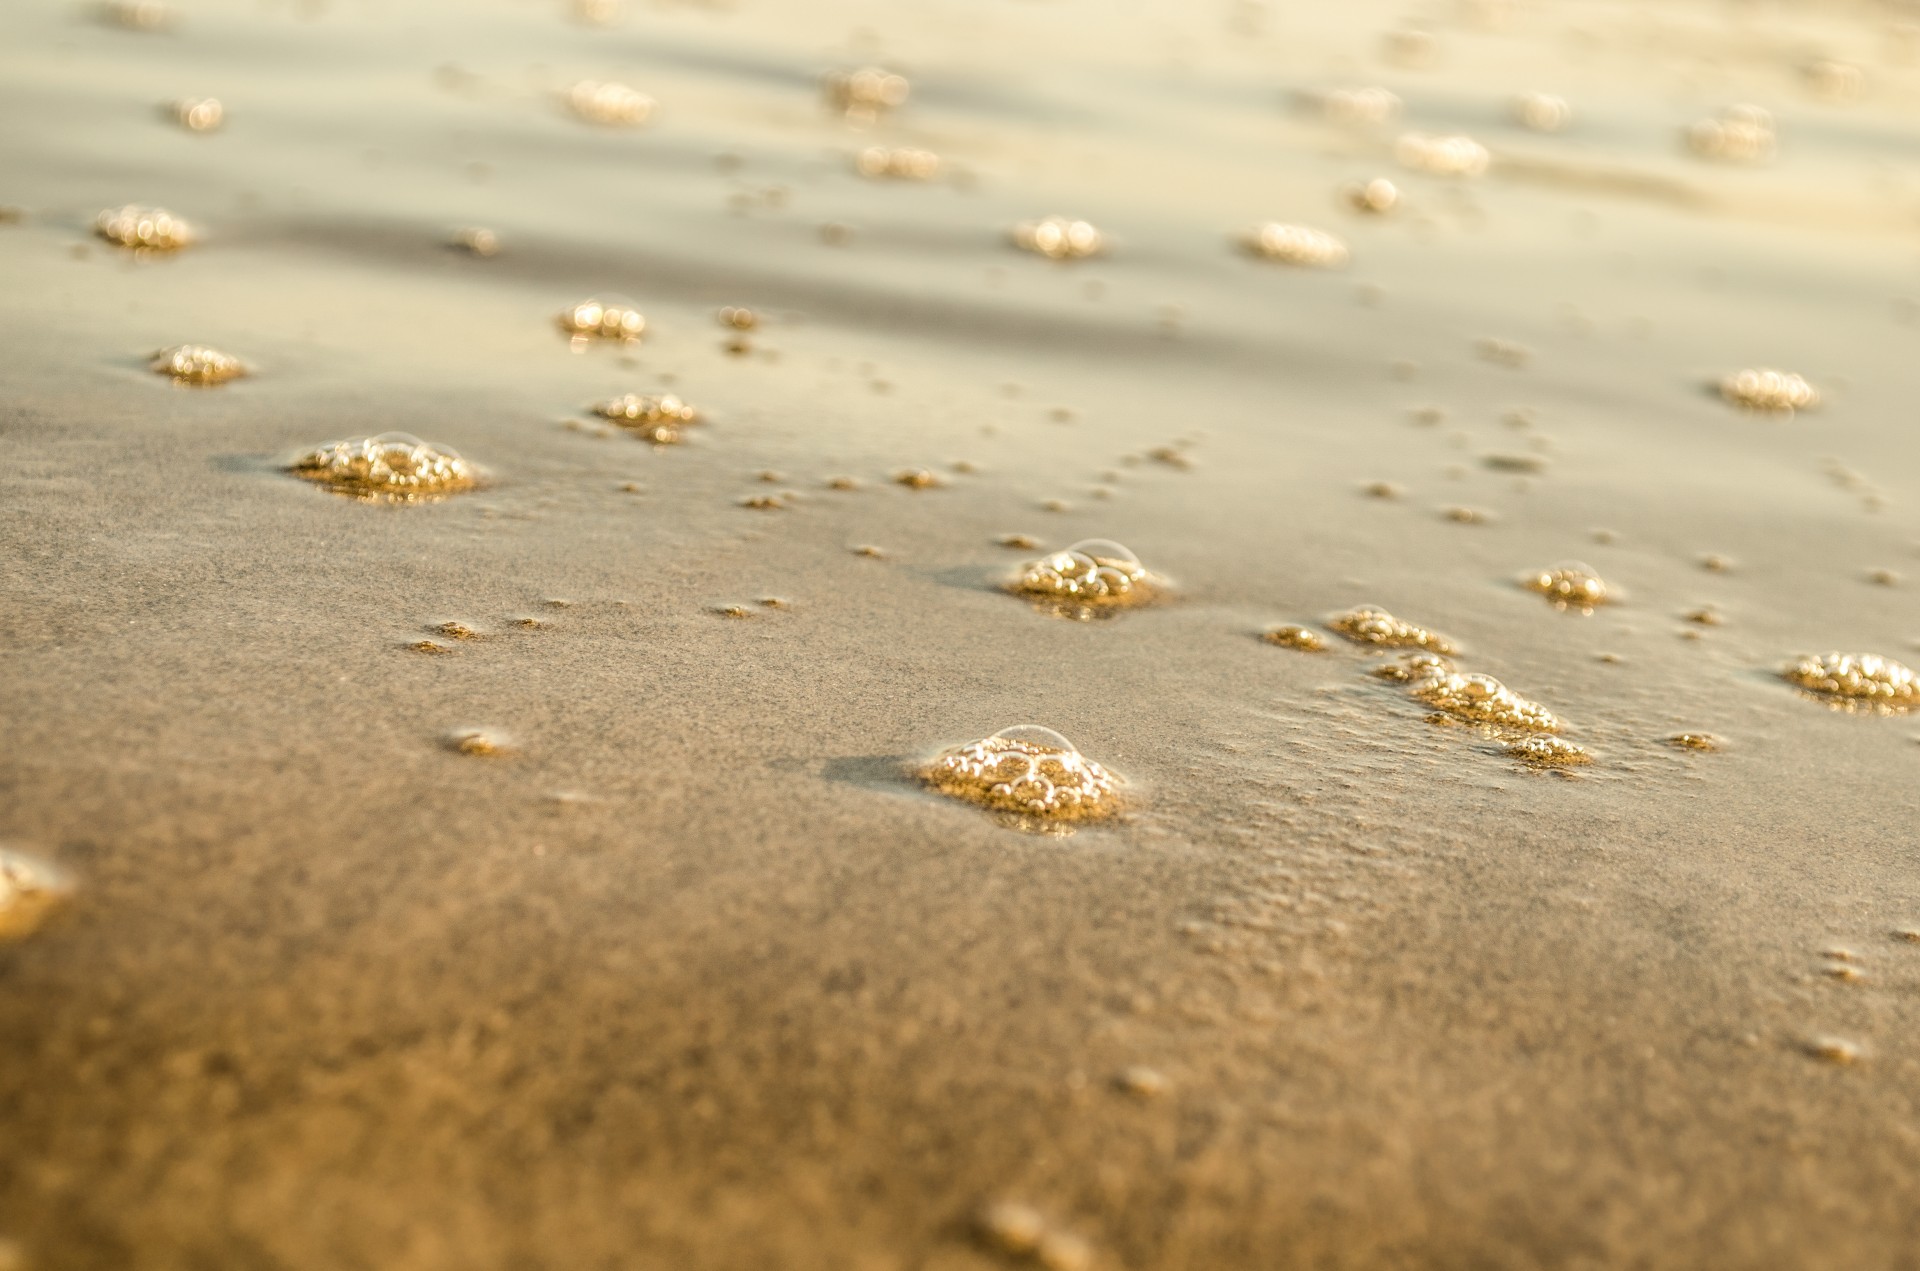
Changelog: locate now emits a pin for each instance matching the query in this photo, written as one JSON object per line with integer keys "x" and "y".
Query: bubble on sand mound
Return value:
{"x": 1026, "y": 769}
{"x": 1368, "y": 625}
{"x": 1094, "y": 575}
{"x": 1569, "y": 585}
{"x": 394, "y": 467}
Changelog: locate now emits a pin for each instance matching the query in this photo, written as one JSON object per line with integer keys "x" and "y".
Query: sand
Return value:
{"x": 690, "y": 972}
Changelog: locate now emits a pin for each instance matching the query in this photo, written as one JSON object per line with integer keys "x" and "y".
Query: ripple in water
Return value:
{"x": 1030, "y": 770}
{"x": 394, "y": 467}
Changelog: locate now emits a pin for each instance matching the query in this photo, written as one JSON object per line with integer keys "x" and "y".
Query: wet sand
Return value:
{"x": 694, "y": 974}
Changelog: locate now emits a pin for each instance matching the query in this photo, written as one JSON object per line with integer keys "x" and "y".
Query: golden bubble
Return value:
{"x": 1773, "y": 392}
{"x": 600, "y": 320}
{"x": 394, "y": 467}
{"x": 1024, "y": 542}
{"x": 1541, "y": 112}
{"x": 1296, "y": 245}
{"x": 428, "y": 646}
{"x": 143, "y": 228}
{"x": 1142, "y": 1082}
{"x": 1548, "y": 752}
{"x": 30, "y": 888}
{"x": 1569, "y": 585}
{"x": 610, "y": 104}
{"x": 1702, "y": 742}
{"x": 456, "y": 630}
{"x": 1294, "y": 636}
{"x": 1481, "y": 699}
{"x": 737, "y": 318}
{"x": 764, "y": 502}
{"x": 197, "y": 114}
{"x": 917, "y": 479}
{"x": 1378, "y": 196}
{"x": 1834, "y": 1050}
{"x": 1856, "y": 679}
{"x": 196, "y": 364}
{"x": 899, "y": 163}
{"x": 1452, "y": 155}
{"x": 484, "y": 742}
{"x": 1011, "y": 1227}
{"x": 1063, "y": 1251}
{"x": 658, "y": 419}
{"x": 1738, "y": 134}
{"x": 863, "y": 95}
{"x": 1026, "y": 769}
{"x": 1353, "y": 106}
{"x": 1058, "y": 238}
{"x": 1093, "y": 575}
{"x": 1367, "y": 625}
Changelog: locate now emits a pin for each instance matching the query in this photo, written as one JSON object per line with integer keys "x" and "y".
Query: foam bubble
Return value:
{"x": 1368, "y": 625}
{"x": 1480, "y": 699}
{"x": 864, "y": 94}
{"x": 1856, "y": 679}
{"x": 143, "y": 228}
{"x": 196, "y": 364}
{"x": 1095, "y": 573}
{"x": 394, "y": 467}
{"x": 1548, "y": 752}
{"x": 1569, "y": 585}
{"x": 1378, "y": 196}
{"x": 1293, "y": 636}
{"x": 609, "y": 104}
{"x": 1705, "y": 743}
{"x": 197, "y": 114}
{"x": 602, "y": 320}
{"x": 1452, "y": 155}
{"x": 899, "y": 163}
{"x": 1026, "y": 769}
{"x": 29, "y": 889}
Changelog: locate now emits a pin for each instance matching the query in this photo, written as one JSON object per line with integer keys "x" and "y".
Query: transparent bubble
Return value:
{"x": 1370, "y": 625}
{"x": 29, "y": 889}
{"x": 196, "y": 364}
{"x": 1548, "y": 752}
{"x": 197, "y": 114}
{"x": 1294, "y": 636}
{"x": 659, "y": 419}
{"x": 898, "y": 163}
{"x": 1092, "y": 576}
{"x": 1378, "y": 196}
{"x": 1353, "y": 106}
{"x": 1035, "y": 736}
{"x": 1569, "y": 585}
{"x": 1480, "y": 699}
{"x": 1026, "y": 769}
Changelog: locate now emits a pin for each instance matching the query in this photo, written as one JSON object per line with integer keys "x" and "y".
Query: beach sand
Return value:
{"x": 692, "y": 972}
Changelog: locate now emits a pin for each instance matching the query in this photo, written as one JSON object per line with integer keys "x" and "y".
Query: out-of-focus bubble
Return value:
{"x": 30, "y": 888}
{"x": 1353, "y": 106}
{"x": 737, "y": 318}
{"x": 1703, "y": 743}
{"x": 900, "y": 163}
{"x": 475, "y": 240}
{"x": 1481, "y": 699}
{"x": 1541, "y": 112}
{"x": 138, "y": 15}
{"x": 1294, "y": 636}
{"x": 609, "y": 104}
{"x": 1768, "y": 391}
{"x": 197, "y": 114}
{"x": 1030, "y": 770}
{"x": 1376, "y": 197}
{"x": 143, "y": 228}
{"x": 1367, "y": 625}
{"x": 865, "y": 94}
{"x": 1296, "y": 245}
{"x": 394, "y": 467}
{"x": 196, "y": 364}
{"x": 1411, "y": 47}
{"x": 480, "y": 742}
{"x": 1834, "y": 81}
{"x": 660, "y": 419}
{"x": 1452, "y": 155}
{"x": 1091, "y": 577}
{"x": 602, "y": 320}
{"x": 1502, "y": 352}
{"x": 1058, "y": 238}
{"x": 1738, "y": 134}
{"x": 1548, "y": 752}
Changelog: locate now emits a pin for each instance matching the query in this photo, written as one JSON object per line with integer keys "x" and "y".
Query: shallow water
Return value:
{"x": 685, "y": 968}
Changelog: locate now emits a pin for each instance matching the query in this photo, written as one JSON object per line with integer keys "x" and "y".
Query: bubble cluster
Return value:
{"x": 901, "y": 163}
{"x": 1294, "y": 636}
{"x": 1541, "y": 112}
{"x": 394, "y": 467}
{"x": 1705, "y": 743}
{"x": 197, "y": 114}
{"x": 1773, "y": 392}
{"x": 1738, "y": 134}
{"x": 1481, "y": 699}
{"x": 737, "y": 317}
{"x": 1296, "y": 245}
{"x": 1548, "y": 752}
{"x": 601, "y": 320}
{"x": 475, "y": 240}
{"x": 143, "y": 228}
{"x": 1569, "y": 585}
{"x": 865, "y": 94}
{"x": 29, "y": 889}
{"x": 1058, "y": 238}
{"x": 610, "y": 104}
{"x": 1353, "y": 106}
{"x": 1863, "y": 679}
{"x": 1451, "y": 155}
{"x": 480, "y": 742}
{"x": 1376, "y": 197}
{"x": 658, "y": 419}
{"x": 1096, "y": 573}
{"x": 1367, "y": 625}
{"x": 196, "y": 364}
{"x": 1026, "y": 769}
